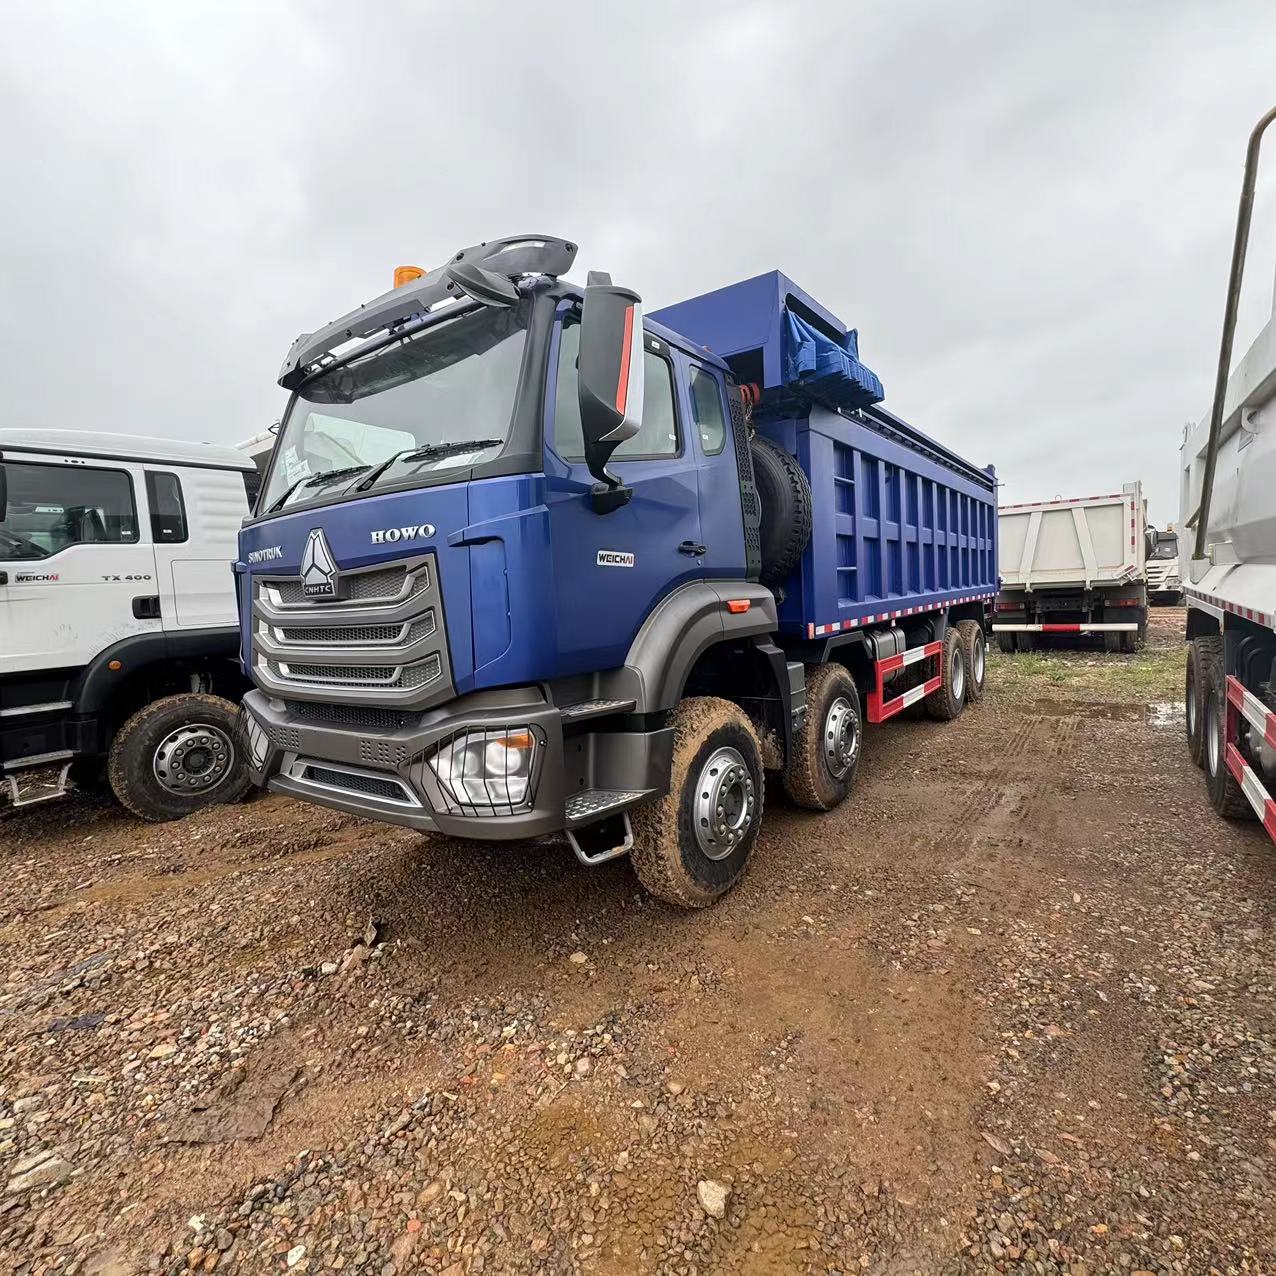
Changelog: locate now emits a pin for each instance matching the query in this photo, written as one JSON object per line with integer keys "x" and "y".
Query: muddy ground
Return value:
{"x": 1010, "y": 1008}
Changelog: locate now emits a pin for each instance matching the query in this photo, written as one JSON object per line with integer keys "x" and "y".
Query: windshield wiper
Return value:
{"x": 314, "y": 480}
{"x": 426, "y": 452}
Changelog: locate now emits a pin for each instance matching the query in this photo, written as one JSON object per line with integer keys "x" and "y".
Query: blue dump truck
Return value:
{"x": 526, "y": 561}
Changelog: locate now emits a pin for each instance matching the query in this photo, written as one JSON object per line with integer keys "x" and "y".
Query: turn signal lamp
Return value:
{"x": 406, "y": 274}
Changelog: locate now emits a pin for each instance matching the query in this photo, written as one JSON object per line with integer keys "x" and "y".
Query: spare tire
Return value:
{"x": 785, "y": 496}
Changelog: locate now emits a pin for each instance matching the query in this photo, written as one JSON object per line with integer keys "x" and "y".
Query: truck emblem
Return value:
{"x": 265, "y": 555}
{"x": 419, "y": 531}
{"x": 318, "y": 571}
{"x": 615, "y": 558}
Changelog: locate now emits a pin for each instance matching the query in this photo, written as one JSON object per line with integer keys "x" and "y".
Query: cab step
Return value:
{"x": 595, "y": 709}
{"x": 43, "y": 782}
{"x": 594, "y": 804}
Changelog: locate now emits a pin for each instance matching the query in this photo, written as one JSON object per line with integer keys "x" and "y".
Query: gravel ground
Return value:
{"x": 1009, "y": 1009}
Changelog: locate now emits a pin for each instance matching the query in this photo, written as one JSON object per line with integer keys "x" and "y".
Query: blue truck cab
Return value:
{"x": 527, "y": 562}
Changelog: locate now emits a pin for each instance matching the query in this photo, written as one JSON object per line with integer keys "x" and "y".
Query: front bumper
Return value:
{"x": 382, "y": 771}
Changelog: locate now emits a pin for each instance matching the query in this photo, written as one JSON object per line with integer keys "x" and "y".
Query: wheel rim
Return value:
{"x": 1213, "y": 735}
{"x": 979, "y": 660}
{"x": 841, "y": 738}
{"x": 957, "y": 674}
{"x": 725, "y": 803}
{"x": 195, "y": 758}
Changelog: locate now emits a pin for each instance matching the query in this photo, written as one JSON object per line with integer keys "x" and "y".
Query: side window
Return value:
{"x": 706, "y": 408}
{"x": 168, "y": 513}
{"x": 658, "y": 436}
{"x": 50, "y": 507}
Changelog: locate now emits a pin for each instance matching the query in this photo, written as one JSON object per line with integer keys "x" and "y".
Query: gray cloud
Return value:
{"x": 1026, "y": 209}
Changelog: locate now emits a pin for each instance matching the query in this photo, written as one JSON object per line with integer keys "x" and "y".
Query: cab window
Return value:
{"x": 658, "y": 436}
{"x": 706, "y": 411}
{"x": 51, "y": 507}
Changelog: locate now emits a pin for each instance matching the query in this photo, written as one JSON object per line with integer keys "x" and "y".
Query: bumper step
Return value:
{"x": 595, "y": 709}
{"x": 593, "y": 804}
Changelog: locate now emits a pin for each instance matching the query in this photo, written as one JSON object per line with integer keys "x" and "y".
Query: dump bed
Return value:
{"x": 1080, "y": 542}
{"x": 901, "y": 524}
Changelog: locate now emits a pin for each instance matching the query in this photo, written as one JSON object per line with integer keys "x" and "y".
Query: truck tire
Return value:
{"x": 1227, "y": 796}
{"x": 1112, "y": 641}
{"x": 178, "y": 755}
{"x": 948, "y": 699}
{"x": 1198, "y": 651}
{"x": 1006, "y": 644}
{"x": 785, "y": 496}
{"x": 692, "y": 845}
{"x": 826, "y": 751}
{"x": 1025, "y": 642}
{"x": 974, "y": 645}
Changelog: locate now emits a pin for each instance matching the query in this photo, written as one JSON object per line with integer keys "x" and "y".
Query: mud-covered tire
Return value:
{"x": 826, "y": 751}
{"x": 1112, "y": 641}
{"x": 948, "y": 699}
{"x": 668, "y": 856}
{"x": 784, "y": 494}
{"x": 1006, "y": 644}
{"x": 974, "y": 644}
{"x": 1199, "y": 650}
{"x": 1025, "y": 642}
{"x": 1227, "y": 796}
{"x": 143, "y": 748}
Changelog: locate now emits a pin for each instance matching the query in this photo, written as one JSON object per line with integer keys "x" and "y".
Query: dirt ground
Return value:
{"x": 1008, "y": 1009}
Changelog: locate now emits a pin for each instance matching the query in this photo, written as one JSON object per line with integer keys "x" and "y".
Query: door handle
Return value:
{"x": 692, "y": 550}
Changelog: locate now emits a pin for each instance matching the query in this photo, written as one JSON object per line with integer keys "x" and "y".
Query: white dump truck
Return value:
{"x": 119, "y": 644}
{"x": 1165, "y": 582}
{"x": 1074, "y": 566}
{"x": 1228, "y": 562}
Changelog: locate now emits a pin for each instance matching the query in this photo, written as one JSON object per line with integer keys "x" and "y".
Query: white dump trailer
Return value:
{"x": 1073, "y": 566}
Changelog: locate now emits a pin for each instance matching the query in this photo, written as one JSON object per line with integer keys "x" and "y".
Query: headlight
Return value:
{"x": 487, "y": 769}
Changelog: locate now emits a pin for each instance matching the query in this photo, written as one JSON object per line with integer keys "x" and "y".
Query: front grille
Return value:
{"x": 420, "y": 675}
{"x": 355, "y": 715}
{"x": 384, "y": 584}
{"x": 373, "y": 787}
{"x": 401, "y": 635}
{"x": 407, "y": 677}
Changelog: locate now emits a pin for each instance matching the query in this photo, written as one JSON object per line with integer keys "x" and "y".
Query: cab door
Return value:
{"x": 74, "y": 558}
{"x": 610, "y": 570}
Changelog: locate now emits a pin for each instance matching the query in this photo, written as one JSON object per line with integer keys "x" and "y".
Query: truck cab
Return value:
{"x": 510, "y": 563}
{"x": 118, "y": 634}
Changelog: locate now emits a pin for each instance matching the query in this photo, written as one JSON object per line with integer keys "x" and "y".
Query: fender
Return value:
{"x": 684, "y": 625}
{"x": 96, "y": 687}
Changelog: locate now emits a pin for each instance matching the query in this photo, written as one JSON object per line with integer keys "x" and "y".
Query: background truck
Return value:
{"x": 1228, "y": 564}
{"x": 118, "y": 635}
{"x": 525, "y": 562}
{"x": 1074, "y": 566}
{"x": 1165, "y": 583}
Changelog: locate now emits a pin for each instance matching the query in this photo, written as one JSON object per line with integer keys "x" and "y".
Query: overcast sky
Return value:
{"x": 1025, "y": 208}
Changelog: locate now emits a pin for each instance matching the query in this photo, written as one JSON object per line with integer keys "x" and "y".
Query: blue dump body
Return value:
{"x": 901, "y": 524}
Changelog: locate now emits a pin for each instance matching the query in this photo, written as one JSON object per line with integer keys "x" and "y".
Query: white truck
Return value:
{"x": 119, "y": 642}
{"x": 1228, "y": 494}
{"x": 1165, "y": 583}
{"x": 1074, "y": 566}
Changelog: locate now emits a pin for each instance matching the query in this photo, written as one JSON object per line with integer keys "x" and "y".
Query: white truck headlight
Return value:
{"x": 487, "y": 769}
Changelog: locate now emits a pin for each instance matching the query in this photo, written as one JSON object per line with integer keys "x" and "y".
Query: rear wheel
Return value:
{"x": 948, "y": 700}
{"x": 176, "y": 756}
{"x": 1112, "y": 641}
{"x": 692, "y": 845}
{"x": 1025, "y": 642}
{"x": 1006, "y": 644}
{"x": 826, "y": 751}
{"x": 1228, "y": 798}
{"x": 974, "y": 646}
{"x": 1199, "y": 650}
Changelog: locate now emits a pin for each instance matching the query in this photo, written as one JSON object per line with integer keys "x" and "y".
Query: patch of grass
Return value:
{"x": 1152, "y": 675}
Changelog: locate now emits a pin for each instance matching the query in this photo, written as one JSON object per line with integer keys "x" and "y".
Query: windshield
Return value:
{"x": 450, "y": 385}
{"x": 1167, "y": 549}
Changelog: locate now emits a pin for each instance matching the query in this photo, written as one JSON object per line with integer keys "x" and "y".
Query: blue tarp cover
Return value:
{"x": 825, "y": 369}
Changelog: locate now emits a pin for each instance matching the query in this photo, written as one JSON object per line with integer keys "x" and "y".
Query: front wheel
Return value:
{"x": 692, "y": 845}
{"x": 1199, "y": 651}
{"x": 176, "y": 756}
{"x": 826, "y": 751}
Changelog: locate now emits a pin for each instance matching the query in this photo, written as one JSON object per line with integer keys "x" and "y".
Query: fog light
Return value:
{"x": 487, "y": 769}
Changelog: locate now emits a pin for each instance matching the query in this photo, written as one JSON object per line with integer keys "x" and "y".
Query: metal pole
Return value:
{"x": 1239, "y": 245}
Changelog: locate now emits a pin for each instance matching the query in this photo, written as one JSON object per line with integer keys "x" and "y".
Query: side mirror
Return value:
{"x": 610, "y": 381}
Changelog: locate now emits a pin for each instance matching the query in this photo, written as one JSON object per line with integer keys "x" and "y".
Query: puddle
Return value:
{"x": 1166, "y": 713}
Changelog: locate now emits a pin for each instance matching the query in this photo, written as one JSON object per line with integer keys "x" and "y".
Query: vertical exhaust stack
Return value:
{"x": 1244, "y": 214}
